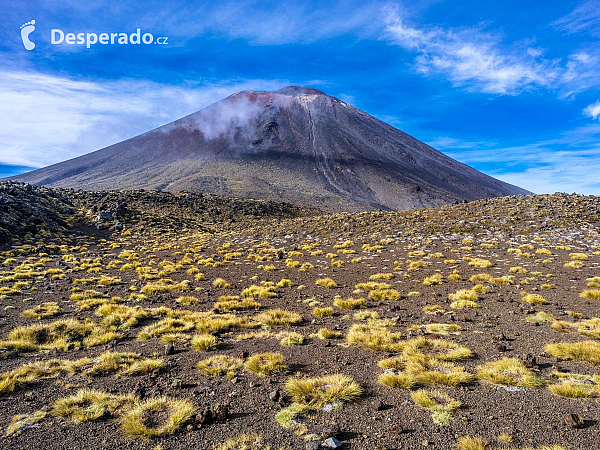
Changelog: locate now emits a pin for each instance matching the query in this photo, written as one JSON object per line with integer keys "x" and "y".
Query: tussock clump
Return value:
{"x": 443, "y": 329}
{"x": 23, "y": 421}
{"x": 573, "y": 385}
{"x": 59, "y": 334}
{"x": 141, "y": 419}
{"x": 382, "y": 276}
{"x": 228, "y": 303}
{"x": 109, "y": 281}
{"x": 464, "y": 304}
{"x": 591, "y": 294}
{"x": 326, "y": 282}
{"x": 427, "y": 371}
{"x": 188, "y": 300}
{"x": 454, "y": 276}
{"x": 437, "y": 348}
{"x": 384, "y": 294}
{"x": 283, "y": 283}
{"x": 292, "y": 339}
{"x": 481, "y": 263}
{"x": 89, "y": 404}
{"x": 573, "y": 264}
{"x": 89, "y": 299}
{"x": 589, "y": 328}
{"x": 534, "y": 299}
{"x": 432, "y": 280}
{"x": 120, "y": 317}
{"x": 219, "y": 365}
{"x": 480, "y": 277}
{"x": 221, "y": 283}
{"x": 323, "y": 312}
{"x": 464, "y": 294}
{"x": 324, "y": 333}
{"x": 40, "y": 370}
{"x": 480, "y": 289}
{"x": 578, "y": 256}
{"x": 471, "y": 443}
{"x": 43, "y": 311}
{"x": 406, "y": 372}
{"x": 264, "y": 364}
{"x": 203, "y": 342}
{"x": 316, "y": 392}
{"x": 584, "y": 351}
{"x": 349, "y": 303}
{"x": 259, "y": 291}
{"x": 509, "y": 372}
{"x": 123, "y": 363}
{"x": 274, "y": 317}
{"x": 376, "y": 338}
{"x": 166, "y": 285}
{"x": 168, "y": 325}
{"x": 439, "y": 403}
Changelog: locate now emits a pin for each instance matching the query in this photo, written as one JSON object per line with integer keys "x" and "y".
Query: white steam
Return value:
{"x": 226, "y": 118}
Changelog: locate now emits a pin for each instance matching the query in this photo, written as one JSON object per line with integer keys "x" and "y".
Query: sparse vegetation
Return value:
{"x": 316, "y": 392}
{"x": 264, "y": 364}
{"x": 510, "y": 372}
{"x": 233, "y": 289}
{"x": 89, "y": 404}
{"x": 584, "y": 351}
{"x": 144, "y": 419}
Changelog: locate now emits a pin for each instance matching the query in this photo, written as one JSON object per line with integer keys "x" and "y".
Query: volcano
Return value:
{"x": 296, "y": 144}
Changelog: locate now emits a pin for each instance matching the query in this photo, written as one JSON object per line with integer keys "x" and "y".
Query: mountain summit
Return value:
{"x": 296, "y": 144}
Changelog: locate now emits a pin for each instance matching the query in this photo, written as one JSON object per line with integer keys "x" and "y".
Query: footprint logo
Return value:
{"x": 26, "y": 30}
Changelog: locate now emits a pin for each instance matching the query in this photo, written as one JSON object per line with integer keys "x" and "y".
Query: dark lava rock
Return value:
{"x": 377, "y": 405}
{"x": 326, "y": 431}
{"x": 573, "y": 420}
{"x": 140, "y": 392}
{"x": 204, "y": 416}
{"x": 396, "y": 429}
{"x": 169, "y": 349}
{"x": 275, "y": 395}
{"x": 531, "y": 360}
{"x": 220, "y": 412}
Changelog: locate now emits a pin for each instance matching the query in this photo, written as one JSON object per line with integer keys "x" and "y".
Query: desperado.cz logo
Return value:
{"x": 58, "y": 36}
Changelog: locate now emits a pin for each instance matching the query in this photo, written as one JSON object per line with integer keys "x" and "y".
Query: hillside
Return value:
{"x": 296, "y": 145}
{"x": 440, "y": 328}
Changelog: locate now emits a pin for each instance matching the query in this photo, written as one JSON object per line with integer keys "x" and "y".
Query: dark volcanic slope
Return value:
{"x": 298, "y": 145}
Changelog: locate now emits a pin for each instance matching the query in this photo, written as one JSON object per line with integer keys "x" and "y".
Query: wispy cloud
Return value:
{"x": 586, "y": 17}
{"x": 567, "y": 163}
{"x": 593, "y": 110}
{"x": 46, "y": 119}
{"x": 446, "y": 142}
{"x": 270, "y": 22}
{"x": 478, "y": 60}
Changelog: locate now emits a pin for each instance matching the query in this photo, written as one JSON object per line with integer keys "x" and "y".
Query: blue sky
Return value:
{"x": 510, "y": 88}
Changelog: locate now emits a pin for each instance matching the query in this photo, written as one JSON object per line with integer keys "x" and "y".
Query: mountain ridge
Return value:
{"x": 296, "y": 144}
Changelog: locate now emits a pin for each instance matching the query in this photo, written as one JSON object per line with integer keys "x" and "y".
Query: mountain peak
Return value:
{"x": 295, "y": 145}
{"x": 299, "y": 90}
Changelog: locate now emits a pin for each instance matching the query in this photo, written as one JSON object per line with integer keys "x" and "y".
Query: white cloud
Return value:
{"x": 585, "y": 17}
{"x": 593, "y": 110}
{"x": 477, "y": 60}
{"x": 46, "y": 119}
{"x": 567, "y": 163}
{"x": 269, "y": 22}
{"x": 446, "y": 142}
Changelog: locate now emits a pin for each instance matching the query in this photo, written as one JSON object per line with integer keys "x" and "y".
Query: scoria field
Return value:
{"x": 157, "y": 321}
